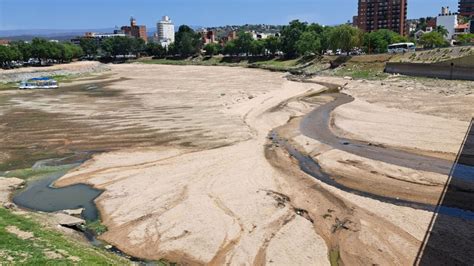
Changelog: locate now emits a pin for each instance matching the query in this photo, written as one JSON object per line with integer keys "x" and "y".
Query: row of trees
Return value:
{"x": 42, "y": 50}
{"x": 296, "y": 39}
{"x": 112, "y": 47}
{"x": 300, "y": 39}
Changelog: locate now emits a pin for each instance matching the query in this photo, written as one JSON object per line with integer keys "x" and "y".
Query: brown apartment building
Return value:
{"x": 383, "y": 14}
{"x": 134, "y": 30}
{"x": 466, "y": 8}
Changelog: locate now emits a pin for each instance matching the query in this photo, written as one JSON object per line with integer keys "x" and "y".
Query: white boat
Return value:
{"x": 39, "y": 83}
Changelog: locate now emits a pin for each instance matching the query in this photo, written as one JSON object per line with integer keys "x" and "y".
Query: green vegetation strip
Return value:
{"x": 29, "y": 173}
{"x": 45, "y": 246}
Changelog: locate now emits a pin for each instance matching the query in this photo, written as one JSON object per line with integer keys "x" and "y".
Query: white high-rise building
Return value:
{"x": 165, "y": 31}
{"x": 449, "y": 21}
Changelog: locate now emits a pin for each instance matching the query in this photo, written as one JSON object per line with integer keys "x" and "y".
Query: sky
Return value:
{"x": 96, "y": 14}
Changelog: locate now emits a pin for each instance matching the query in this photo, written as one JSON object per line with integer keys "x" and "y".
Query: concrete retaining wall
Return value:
{"x": 466, "y": 61}
{"x": 431, "y": 70}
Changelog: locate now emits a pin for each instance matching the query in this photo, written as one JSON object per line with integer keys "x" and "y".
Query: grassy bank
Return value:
{"x": 284, "y": 64}
{"x": 25, "y": 241}
{"x": 360, "y": 67}
{"x": 29, "y": 173}
{"x": 96, "y": 226}
{"x": 369, "y": 67}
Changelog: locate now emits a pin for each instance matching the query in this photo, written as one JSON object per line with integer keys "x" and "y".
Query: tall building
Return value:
{"x": 447, "y": 20}
{"x": 165, "y": 33}
{"x": 466, "y": 8}
{"x": 134, "y": 30}
{"x": 383, "y": 14}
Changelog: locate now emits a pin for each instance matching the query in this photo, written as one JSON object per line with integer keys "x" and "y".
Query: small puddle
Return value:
{"x": 41, "y": 195}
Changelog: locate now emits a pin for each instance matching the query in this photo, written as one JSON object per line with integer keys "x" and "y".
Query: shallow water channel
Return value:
{"x": 312, "y": 168}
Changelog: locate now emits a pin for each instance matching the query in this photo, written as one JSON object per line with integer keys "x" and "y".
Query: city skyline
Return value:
{"x": 205, "y": 13}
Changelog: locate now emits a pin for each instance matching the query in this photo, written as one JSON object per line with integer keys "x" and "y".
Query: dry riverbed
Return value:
{"x": 189, "y": 173}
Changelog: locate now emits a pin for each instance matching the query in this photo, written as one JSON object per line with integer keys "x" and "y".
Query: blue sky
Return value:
{"x": 84, "y": 14}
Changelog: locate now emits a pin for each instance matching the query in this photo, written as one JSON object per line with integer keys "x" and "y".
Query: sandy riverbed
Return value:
{"x": 191, "y": 177}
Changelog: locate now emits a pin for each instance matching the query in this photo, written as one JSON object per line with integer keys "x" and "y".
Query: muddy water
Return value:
{"x": 40, "y": 195}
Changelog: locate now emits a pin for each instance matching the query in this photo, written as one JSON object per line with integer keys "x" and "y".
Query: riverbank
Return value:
{"x": 76, "y": 69}
{"x": 36, "y": 238}
{"x": 368, "y": 67}
{"x": 216, "y": 190}
{"x": 189, "y": 173}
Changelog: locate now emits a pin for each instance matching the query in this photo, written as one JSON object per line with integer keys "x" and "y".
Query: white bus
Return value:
{"x": 398, "y": 48}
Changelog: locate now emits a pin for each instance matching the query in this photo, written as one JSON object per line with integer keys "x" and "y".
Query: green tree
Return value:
{"x": 257, "y": 47}
{"x": 67, "y": 53}
{"x": 56, "y": 51}
{"x": 243, "y": 42}
{"x": 316, "y": 28}
{"x": 272, "y": 44}
{"x": 325, "y": 37}
{"x": 8, "y": 54}
{"x": 212, "y": 49}
{"x": 77, "y": 51}
{"x": 116, "y": 46}
{"x": 89, "y": 46}
{"x": 442, "y": 30}
{"x": 466, "y": 38}
{"x": 345, "y": 37}
{"x": 155, "y": 50}
{"x": 290, "y": 35}
{"x": 41, "y": 49}
{"x": 230, "y": 48}
{"x": 171, "y": 49}
{"x": 309, "y": 43}
{"x": 433, "y": 39}
{"x": 5, "y": 55}
{"x": 378, "y": 41}
{"x": 138, "y": 46}
{"x": 70, "y": 51}
{"x": 24, "y": 48}
{"x": 187, "y": 41}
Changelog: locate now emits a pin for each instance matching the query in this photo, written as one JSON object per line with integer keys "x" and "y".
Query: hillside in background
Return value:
{"x": 66, "y": 34}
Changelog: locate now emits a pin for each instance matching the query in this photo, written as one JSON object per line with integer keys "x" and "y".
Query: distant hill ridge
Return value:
{"x": 64, "y": 34}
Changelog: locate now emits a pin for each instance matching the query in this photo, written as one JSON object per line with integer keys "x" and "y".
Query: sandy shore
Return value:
{"x": 190, "y": 175}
